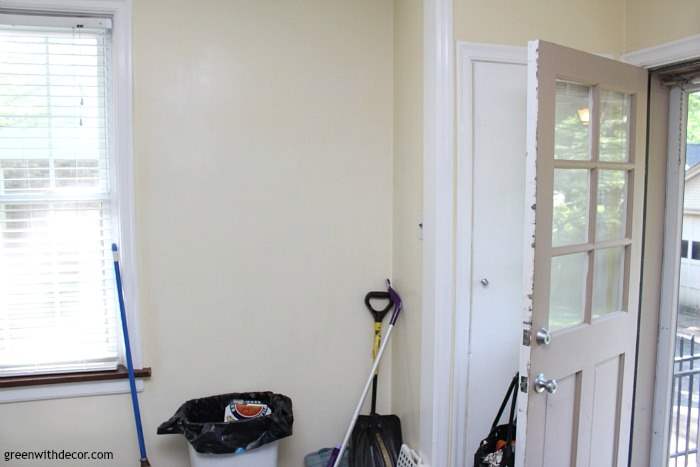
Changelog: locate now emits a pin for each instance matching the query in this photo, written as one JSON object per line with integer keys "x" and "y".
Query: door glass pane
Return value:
{"x": 567, "y": 291}
{"x": 570, "y": 206}
{"x": 611, "y": 213}
{"x": 608, "y": 275}
{"x": 572, "y": 122}
{"x": 614, "y": 126}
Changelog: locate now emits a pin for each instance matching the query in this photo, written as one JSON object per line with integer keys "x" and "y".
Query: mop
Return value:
{"x": 338, "y": 453}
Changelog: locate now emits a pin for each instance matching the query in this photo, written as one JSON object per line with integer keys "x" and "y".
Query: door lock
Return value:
{"x": 543, "y": 337}
{"x": 543, "y": 384}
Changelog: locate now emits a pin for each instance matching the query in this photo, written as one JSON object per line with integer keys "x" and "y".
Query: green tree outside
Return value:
{"x": 694, "y": 118}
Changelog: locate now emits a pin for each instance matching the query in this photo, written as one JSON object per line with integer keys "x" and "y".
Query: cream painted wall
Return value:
{"x": 601, "y": 26}
{"x": 653, "y": 22}
{"x": 592, "y": 25}
{"x": 408, "y": 183}
{"x": 263, "y": 149}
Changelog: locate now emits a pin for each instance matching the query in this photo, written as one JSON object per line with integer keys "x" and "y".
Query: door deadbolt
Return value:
{"x": 543, "y": 384}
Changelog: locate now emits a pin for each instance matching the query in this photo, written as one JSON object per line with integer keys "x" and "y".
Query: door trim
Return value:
{"x": 468, "y": 54}
{"x": 665, "y": 54}
{"x": 438, "y": 234}
{"x": 670, "y": 275}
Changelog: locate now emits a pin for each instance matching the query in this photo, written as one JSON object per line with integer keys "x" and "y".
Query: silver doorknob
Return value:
{"x": 543, "y": 337}
{"x": 484, "y": 282}
{"x": 543, "y": 384}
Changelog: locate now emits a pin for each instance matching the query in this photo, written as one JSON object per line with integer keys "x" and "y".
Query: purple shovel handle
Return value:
{"x": 398, "y": 303}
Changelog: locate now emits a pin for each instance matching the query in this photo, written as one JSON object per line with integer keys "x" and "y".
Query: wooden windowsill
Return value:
{"x": 77, "y": 377}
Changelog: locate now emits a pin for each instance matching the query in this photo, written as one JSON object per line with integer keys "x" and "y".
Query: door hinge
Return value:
{"x": 526, "y": 337}
{"x": 523, "y": 384}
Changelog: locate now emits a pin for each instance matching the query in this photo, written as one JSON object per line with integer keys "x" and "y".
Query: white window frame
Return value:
{"x": 121, "y": 161}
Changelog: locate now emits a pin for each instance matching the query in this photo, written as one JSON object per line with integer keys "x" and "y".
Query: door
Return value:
{"x": 584, "y": 197}
{"x": 493, "y": 85}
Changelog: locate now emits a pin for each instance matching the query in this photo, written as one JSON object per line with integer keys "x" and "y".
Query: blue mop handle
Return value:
{"x": 129, "y": 362}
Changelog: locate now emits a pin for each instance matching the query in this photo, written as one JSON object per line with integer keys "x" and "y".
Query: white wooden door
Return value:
{"x": 495, "y": 113}
{"x": 584, "y": 192}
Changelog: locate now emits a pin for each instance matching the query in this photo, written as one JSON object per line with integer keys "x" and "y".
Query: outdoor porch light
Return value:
{"x": 584, "y": 114}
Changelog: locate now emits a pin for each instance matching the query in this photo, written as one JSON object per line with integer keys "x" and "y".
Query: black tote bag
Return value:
{"x": 498, "y": 448}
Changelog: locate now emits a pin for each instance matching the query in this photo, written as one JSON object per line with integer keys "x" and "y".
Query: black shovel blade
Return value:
{"x": 376, "y": 441}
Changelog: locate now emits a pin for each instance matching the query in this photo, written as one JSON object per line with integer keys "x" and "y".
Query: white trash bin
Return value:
{"x": 264, "y": 456}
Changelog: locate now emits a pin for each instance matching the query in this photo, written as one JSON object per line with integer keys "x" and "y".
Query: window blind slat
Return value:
{"x": 57, "y": 295}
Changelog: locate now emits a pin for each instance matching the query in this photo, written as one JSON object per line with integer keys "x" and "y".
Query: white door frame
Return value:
{"x": 468, "y": 54}
{"x": 665, "y": 54}
{"x": 673, "y": 227}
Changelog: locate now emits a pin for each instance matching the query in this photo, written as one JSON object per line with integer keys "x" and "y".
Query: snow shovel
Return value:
{"x": 376, "y": 439}
{"x": 378, "y": 315}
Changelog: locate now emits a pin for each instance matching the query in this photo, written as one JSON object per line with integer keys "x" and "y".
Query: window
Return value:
{"x": 684, "y": 248}
{"x": 592, "y": 242}
{"x": 695, "y": 250}
{"x": 57, "y": 213}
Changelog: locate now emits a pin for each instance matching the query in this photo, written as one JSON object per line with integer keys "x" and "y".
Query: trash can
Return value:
{"x": 240, "y": 429}
{"x": 264, "y": 456}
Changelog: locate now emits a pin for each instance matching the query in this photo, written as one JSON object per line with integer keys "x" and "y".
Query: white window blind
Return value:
{"x": 57, "y": 296}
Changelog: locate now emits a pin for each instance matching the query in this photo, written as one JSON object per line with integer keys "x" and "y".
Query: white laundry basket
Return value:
{"x": 264, "y": 456}
{"x": 408, "y": 457}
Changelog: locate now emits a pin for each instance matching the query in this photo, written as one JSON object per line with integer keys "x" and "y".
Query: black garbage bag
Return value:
{"x": 202, "y": 423}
